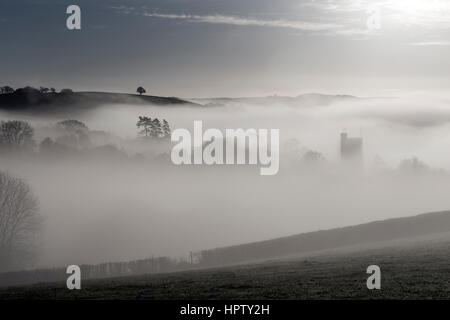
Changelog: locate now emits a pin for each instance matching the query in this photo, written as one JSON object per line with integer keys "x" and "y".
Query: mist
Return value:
{"x": 103, "y": 209}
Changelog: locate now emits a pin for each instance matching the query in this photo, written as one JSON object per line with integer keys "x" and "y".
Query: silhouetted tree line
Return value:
{"x": 28, "y": 89}
{"x": 153, "y": 128}
{"x": 72, "y": 138}
{"x": 6, "y": 90}
{"x": 17, "y": 137}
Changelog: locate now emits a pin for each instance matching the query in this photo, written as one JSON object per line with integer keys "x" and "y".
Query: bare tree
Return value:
{"x": 19, "y": 222}
{"x": 16, "y": 135}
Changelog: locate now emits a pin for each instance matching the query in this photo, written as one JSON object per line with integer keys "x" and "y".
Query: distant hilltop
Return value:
{"x": 302, "y": 100}
{"x": 34, "y": 101}
{"x": 47, "y": 101}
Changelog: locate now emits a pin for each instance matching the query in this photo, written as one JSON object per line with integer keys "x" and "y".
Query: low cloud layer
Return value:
{"x": 240, "y": 21}
{"x": 104, "y": 210}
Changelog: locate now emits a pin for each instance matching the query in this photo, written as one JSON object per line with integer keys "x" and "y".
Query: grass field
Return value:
{"x": 409, "y": 271}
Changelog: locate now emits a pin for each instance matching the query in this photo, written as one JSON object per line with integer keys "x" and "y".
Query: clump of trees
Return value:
{"x": 6, "y": 90}
{"x": 413, "y": 165}
{"x": 313, "y": 158}
{"x": 47, "y": 90}
{"x": 153, "y": 128}
{"x": 74, "y": 134}
{"x": 71, "y": 125}
{"x": 19, "y": 222}
{"x": 70, "y": 137}
{"x": 28, "y": 90}
{"x": 16, "y": 136}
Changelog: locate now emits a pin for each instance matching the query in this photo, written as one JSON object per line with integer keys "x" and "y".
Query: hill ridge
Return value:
{"x": 36, "y": 102}
{"x": 360, "y": 234}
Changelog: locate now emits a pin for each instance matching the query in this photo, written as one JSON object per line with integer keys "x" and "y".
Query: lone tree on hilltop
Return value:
{"x": 140, "y": 90}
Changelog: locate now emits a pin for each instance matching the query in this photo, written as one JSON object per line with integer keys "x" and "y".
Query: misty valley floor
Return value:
{"x": 408, "y": 272}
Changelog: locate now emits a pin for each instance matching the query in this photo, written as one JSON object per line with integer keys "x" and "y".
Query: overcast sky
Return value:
{"x": 201, "y": 48}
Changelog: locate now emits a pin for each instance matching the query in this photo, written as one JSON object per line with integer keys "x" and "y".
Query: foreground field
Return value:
{"x": 411, "y": 271}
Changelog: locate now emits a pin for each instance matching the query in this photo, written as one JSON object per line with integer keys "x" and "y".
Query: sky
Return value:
{"x": 211, "y": 48}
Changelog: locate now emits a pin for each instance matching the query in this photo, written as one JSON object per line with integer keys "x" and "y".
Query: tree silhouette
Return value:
{"x": 71, "y": 125}
{"x": 140, "y": 90}
{"x": 153, "y": 128}
{"x": 157, "y": 130}
{"x": 44, "y": 90}
{"x": 16, "y": 135}
{"x": 166, "y": 128}
{"x": 52, "y": 90}
{"x": 6, "y": 90}
{"x": 413, "y": 165}
{"x": 20, "y": 221}
{"x": 146, "y": 124}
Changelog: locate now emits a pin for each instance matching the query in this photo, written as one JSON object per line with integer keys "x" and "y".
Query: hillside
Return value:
{"x": 35, "y": 102}
{"x": 364, "y": 234}
{"x": 361, "y": 237}
{"x": 410, "y": 270}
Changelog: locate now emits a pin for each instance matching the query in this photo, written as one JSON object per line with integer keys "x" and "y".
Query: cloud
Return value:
{"x": 239, "y": 21}
{"x": 344, "y": 18}
{"x": 431, "y": 43}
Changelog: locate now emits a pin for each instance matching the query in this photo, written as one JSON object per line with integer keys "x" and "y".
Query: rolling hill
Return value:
{"x": 34, "y": 102}
{"x": 364, "y": 234}
{"x": 396, "y": 234}
{"x": 302, "y": 100}
{"x": 417, "y": 269}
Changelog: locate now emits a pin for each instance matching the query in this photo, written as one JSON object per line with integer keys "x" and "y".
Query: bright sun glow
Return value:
{"x": 418, "y": 12}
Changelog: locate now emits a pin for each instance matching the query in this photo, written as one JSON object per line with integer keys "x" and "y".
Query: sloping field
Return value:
{"x": 359, "y": 235}
{"x": 409, "y": 270}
